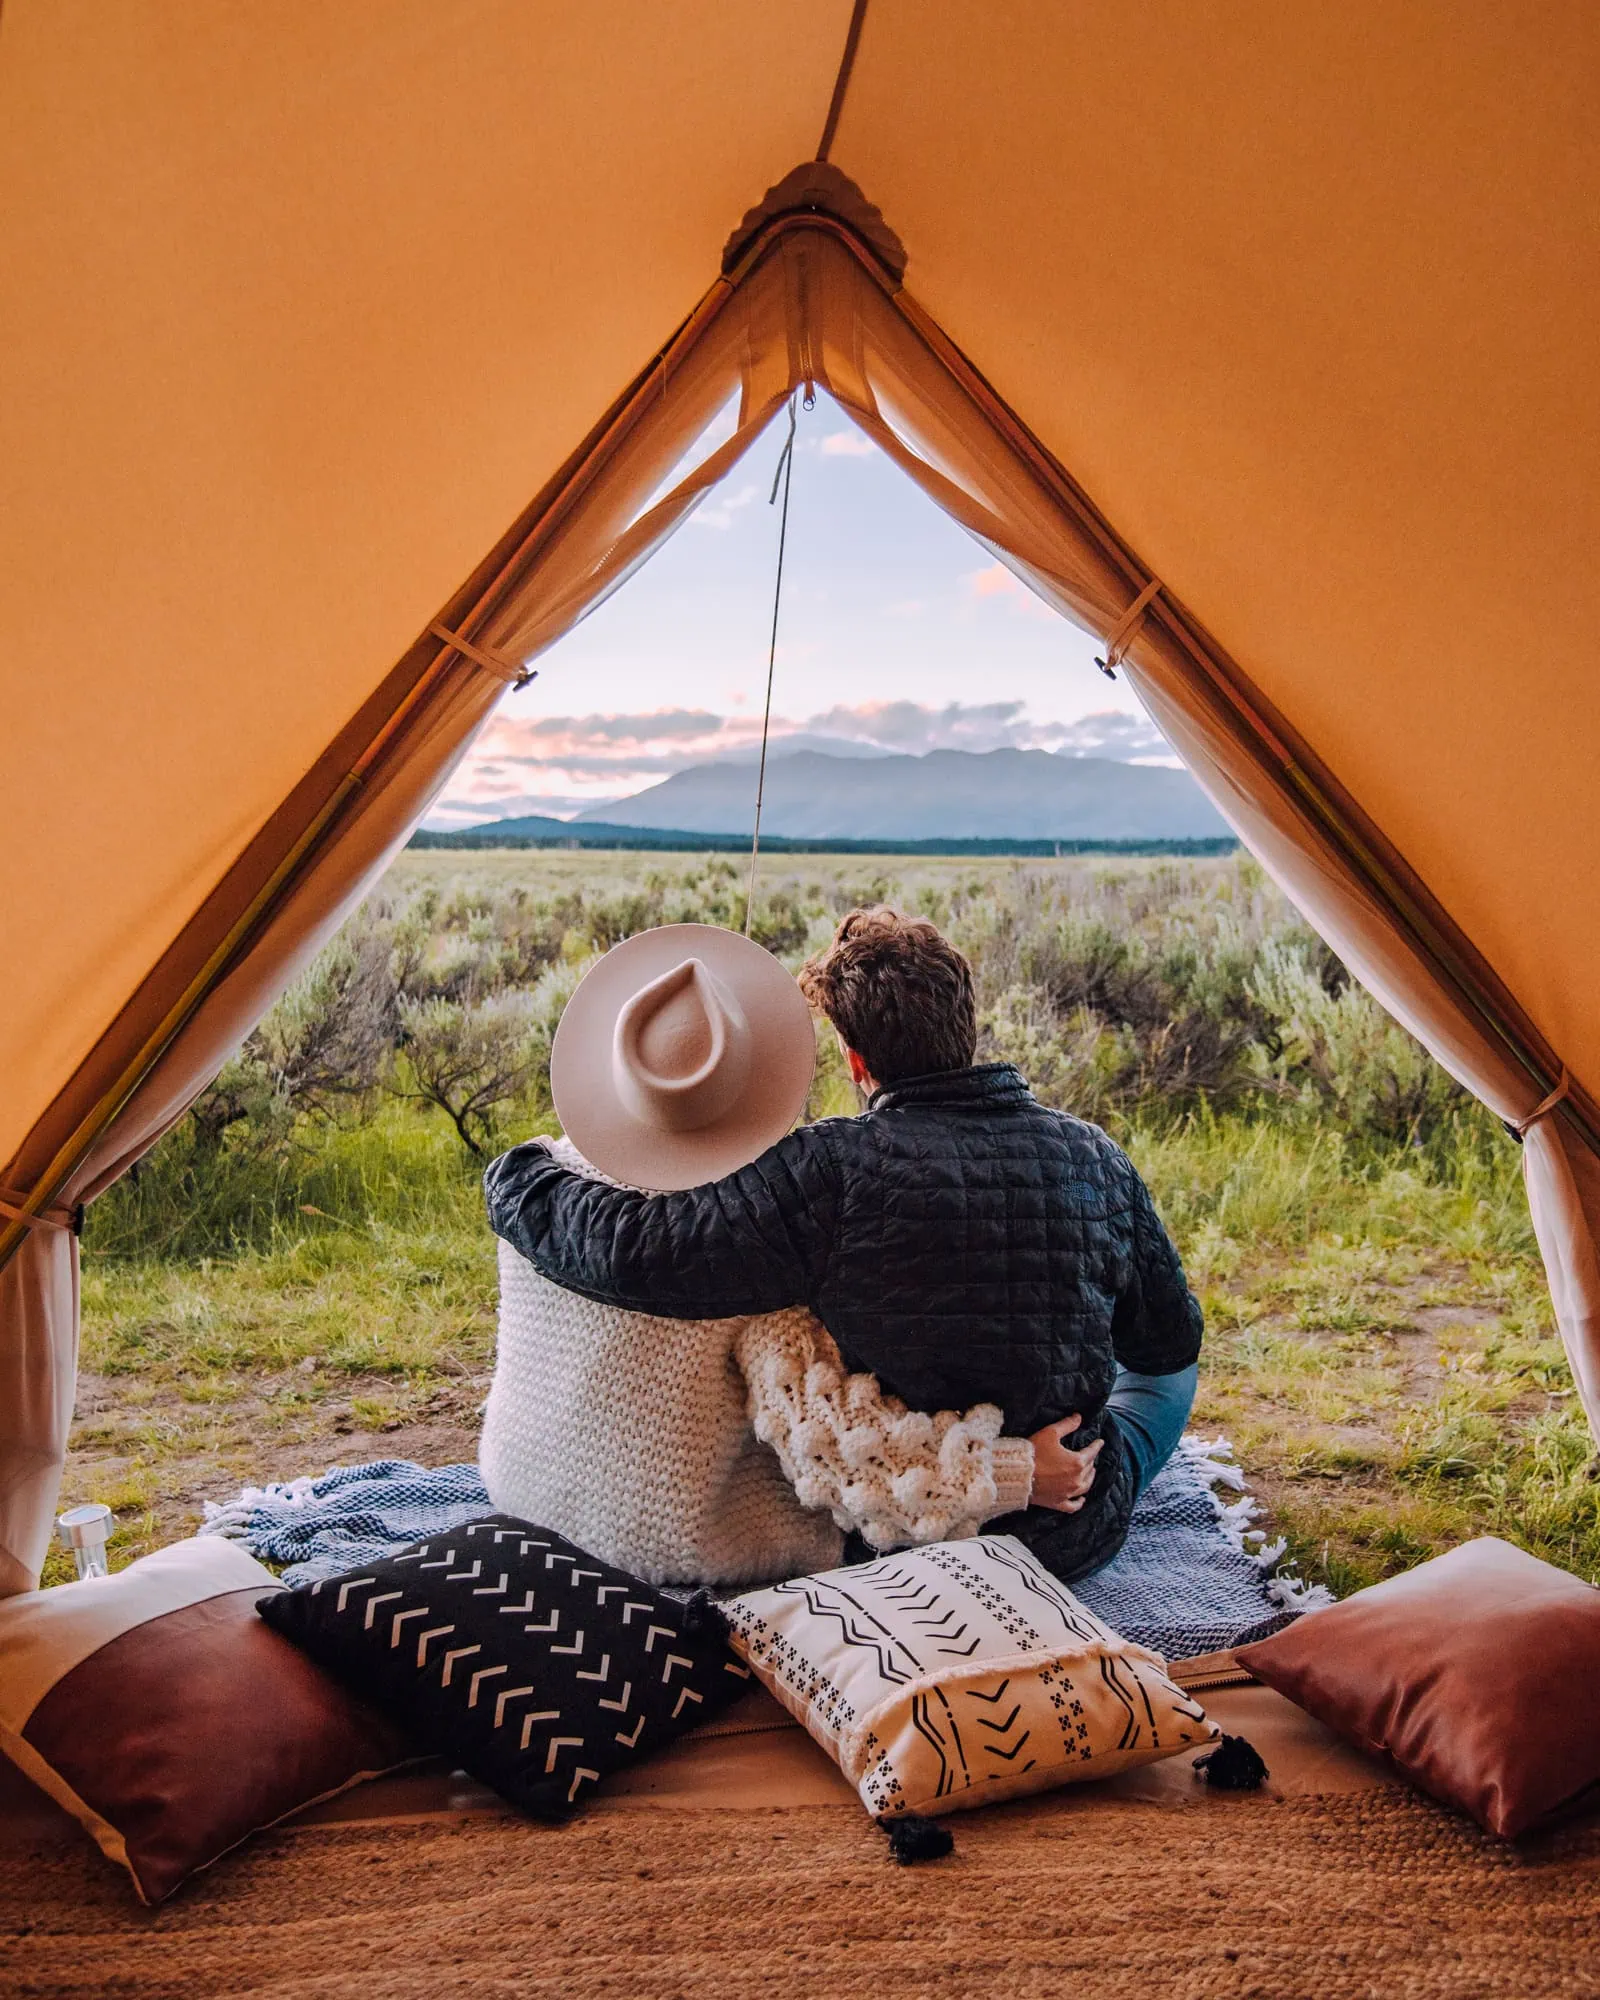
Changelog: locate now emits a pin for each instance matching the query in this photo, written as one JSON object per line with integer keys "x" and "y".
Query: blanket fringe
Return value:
{"x": 1213, "y": 1459}
{"x": 1296, "y": 1595}
{"x": 236, "y": 1520}
{"x": 315, "y": 1526}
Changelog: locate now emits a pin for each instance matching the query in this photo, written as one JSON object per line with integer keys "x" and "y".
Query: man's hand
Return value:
{"x": 1062, "y": 1478}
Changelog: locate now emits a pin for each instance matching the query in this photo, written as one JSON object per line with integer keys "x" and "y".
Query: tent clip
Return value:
{"x": 1132, "y": 619}
{"x": 496, "y": 663}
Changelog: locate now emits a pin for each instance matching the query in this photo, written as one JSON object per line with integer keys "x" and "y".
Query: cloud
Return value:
{"x": 995, "y": 581}
{"x": 564, "y": 762}
{"x": 847, "y": 444}
{"x": 999, "y": 582}
{"x": 913, "y": 727}
{"x": 584, "y": 746}
{"x": 649, "y": 727}
{"x": 667, "y": 739}
{"x": 719, "y": 513}
{"x": 462, "y": 810}
{"x": 1114, "y": 733}
{"x": 578, "y": 756}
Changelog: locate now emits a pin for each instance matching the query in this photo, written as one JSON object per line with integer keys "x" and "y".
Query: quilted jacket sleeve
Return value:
{"x": 752, "y": 1243}
{"x": 1157, "y": 1324}
{"x": 895, "y": 1476}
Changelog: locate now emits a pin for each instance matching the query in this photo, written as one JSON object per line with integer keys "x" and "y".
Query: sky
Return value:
{"x": 897, "y": 632}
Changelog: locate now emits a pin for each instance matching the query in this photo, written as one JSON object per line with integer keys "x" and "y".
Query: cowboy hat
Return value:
{"x": 683, "y": 1054}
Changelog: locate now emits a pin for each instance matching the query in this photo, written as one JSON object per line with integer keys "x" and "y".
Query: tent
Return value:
{"x": 350, "y": 354}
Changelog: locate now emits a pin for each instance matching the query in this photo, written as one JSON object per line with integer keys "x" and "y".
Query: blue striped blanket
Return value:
{"x": 1192, "y": 1577}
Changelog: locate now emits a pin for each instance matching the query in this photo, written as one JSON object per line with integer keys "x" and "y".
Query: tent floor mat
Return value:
{"x": 1371, "y": 1893}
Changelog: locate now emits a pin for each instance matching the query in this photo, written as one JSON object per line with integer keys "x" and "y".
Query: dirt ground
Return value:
{"x": 1345, "y": 1396}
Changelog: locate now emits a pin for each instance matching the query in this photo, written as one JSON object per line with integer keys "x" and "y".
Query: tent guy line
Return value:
{"x": 841, "y": 83}
{"x": 785, "y": 473}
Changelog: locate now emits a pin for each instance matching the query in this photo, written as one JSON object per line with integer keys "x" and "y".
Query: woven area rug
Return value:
{"x": 1342, "y": 1899}
{"x": 1187, "y": 1580}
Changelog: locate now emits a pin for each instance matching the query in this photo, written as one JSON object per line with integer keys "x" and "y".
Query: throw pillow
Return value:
{"x": 537, "y": 1667}
{"x": 1472, "y": 1674}
{"x": 959, "y": 1674}
{"x": 156, "y": 1708}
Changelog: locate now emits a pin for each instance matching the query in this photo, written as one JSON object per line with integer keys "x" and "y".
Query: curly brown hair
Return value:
{"x": 899, "y": 993}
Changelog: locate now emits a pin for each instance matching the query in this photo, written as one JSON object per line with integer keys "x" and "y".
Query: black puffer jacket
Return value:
{"x": 960, "y": 1241}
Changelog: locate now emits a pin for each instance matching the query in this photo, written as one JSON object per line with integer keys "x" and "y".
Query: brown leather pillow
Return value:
{"x": 168, "y": 1719}
{"x": 1474, "y": 1675}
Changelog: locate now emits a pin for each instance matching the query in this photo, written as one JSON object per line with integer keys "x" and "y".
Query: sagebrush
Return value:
{"x": 1137, "y": 994}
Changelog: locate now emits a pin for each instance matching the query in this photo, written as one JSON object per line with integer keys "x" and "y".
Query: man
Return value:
{"x": 960, "y": 1241}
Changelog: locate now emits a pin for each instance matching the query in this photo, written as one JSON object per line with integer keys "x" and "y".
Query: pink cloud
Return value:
{"x": 581, "y": 758}
{"x": 998, "y": 581}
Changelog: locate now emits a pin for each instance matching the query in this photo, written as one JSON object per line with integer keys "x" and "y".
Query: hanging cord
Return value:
{"x": 783, "y": 475}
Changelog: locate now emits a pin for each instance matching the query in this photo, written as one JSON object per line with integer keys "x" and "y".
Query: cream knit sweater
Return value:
{"x": 647, "y": 1440}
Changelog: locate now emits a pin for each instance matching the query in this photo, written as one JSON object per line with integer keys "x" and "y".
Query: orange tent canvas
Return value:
{"x": 341, "y": 349}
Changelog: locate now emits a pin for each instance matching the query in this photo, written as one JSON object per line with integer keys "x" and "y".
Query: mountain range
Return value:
{"x": 944, "y": 794}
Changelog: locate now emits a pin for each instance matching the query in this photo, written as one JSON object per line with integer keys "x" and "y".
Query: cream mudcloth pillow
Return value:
{"x": 960, "y": 1674}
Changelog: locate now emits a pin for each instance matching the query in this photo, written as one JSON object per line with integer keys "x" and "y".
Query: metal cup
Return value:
{"x": 86, "y": 1530}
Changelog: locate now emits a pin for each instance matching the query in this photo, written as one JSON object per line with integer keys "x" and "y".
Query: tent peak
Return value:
{"x": 818, "y": 188}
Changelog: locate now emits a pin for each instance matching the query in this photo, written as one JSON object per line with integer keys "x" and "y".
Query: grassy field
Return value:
{"x": 301, "y": 1275}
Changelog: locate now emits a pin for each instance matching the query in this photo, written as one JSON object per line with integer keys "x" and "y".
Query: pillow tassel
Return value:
{"x": 913, "y": 1838}
{"x": 702, "y": 1613}
{"x": 1234, "y": 1766}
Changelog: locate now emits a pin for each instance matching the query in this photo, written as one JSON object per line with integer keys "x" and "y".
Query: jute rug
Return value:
{"x": 1376, "y": 1896}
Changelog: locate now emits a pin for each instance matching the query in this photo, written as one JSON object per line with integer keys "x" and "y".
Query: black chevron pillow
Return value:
{"x": 536, "y": 1667}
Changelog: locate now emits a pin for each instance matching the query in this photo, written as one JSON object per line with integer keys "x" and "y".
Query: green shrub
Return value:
{"x": 470, "y": 1059}
{"x": 1335, "y": 1053}
{"x": 1183, "y": 1005}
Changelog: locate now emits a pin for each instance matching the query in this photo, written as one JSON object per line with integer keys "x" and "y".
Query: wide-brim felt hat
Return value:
{"x": 683, "y": 1055}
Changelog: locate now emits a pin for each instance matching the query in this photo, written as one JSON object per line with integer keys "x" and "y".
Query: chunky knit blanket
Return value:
{"x": 1186, "y": 1581}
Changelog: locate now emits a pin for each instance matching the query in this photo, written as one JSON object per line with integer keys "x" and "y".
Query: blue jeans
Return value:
{"x": 1151, "y": 1411}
